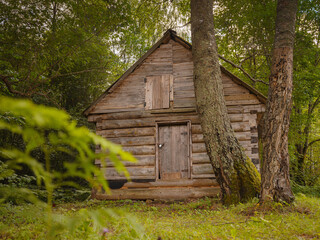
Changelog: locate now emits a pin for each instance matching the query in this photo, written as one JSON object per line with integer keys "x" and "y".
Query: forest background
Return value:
{"x": 66, "y": 53}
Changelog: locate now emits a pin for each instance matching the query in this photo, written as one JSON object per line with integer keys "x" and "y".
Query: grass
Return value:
{"x": 197, "y": 219}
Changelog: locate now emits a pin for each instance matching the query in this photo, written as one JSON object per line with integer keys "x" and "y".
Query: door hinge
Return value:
{"x": 144, "y": 104}
{"x": 145, "y": 80}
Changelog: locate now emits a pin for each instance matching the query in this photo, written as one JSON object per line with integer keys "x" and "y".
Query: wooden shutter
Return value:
{"x": 158, "y": 92}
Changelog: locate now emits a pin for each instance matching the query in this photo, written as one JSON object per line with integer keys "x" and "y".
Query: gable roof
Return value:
{"x": 169, "y": 34}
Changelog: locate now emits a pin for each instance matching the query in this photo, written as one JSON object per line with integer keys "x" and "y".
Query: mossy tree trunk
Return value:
{"x": 275, "y": 168}
{"x": 237, "y": 176}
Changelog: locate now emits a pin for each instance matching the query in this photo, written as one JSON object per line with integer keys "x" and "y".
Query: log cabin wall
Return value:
{"x": 127, "y": 116}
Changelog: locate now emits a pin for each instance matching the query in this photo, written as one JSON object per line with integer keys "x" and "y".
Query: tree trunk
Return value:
{"x": 237, "y": 176}
{"x": 275, "y": 169}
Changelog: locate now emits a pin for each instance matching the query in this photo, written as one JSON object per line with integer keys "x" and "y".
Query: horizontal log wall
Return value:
{"x": 136, "y": 132}
{"x": 136, "y": 172}
{"x": 138, "y": 136}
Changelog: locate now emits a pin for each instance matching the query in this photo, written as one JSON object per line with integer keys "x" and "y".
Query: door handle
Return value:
{"x": 160, "y": 145}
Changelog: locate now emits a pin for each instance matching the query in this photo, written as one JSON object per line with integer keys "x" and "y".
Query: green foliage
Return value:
{"x": 13, "y": 179}
{"x": 61, "y": 53}
{"x": 304, "y": 127}
{"x": 312, "y": 191}
{"x": 50, "y": 130}
{"x": 195, "y": 219}
{"x": 5, "y": 172}
{"x": 9, "y": 179}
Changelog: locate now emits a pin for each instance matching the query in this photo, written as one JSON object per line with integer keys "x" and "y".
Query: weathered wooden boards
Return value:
{"x": 141, "y": 114}
{"x": 173, "y": 183}
{"x": 183, "y": 89}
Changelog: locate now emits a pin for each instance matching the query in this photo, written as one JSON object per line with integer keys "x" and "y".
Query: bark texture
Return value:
{"x": 237, "y": 176}
{"x": 275, "y": 168}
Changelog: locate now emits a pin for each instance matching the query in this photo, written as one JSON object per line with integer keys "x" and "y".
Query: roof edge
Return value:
{"x": 169, "y": 34}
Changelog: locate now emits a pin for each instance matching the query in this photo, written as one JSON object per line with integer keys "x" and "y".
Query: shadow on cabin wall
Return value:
{"x": 117, "y": 184}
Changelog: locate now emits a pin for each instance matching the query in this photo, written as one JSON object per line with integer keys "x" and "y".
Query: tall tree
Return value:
{"x": 237, "y": 176}
{"x": 275, "y": 168}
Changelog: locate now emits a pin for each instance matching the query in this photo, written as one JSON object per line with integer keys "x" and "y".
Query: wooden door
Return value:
{"x": 173, "y": 149}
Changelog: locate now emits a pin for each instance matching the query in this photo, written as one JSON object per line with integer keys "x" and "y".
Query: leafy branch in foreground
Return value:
{"x": 50, "y": 130}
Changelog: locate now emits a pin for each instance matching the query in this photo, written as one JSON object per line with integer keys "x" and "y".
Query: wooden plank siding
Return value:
{"x": 126, "y": 116}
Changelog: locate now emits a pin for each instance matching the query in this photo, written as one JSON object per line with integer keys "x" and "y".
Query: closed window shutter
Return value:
{"x": 158, "y": 92}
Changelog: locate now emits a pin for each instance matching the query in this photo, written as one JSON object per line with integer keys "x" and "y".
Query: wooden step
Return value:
{"x": 172, "y": 193}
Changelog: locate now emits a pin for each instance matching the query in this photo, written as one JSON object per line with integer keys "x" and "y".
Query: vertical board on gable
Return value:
{"x": 149, "y": 92}
{"x": 183, "y": 89}
{"x": 165, "y": 91}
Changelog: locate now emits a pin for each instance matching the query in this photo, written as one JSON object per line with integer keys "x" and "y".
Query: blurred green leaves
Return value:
{"x": 50, "y": 130}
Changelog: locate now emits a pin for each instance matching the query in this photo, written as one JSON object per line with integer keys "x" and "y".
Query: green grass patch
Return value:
{"x": 197, "y": 219}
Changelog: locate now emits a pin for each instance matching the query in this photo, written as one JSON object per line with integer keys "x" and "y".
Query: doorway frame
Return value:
{"x": 172, "y": 123}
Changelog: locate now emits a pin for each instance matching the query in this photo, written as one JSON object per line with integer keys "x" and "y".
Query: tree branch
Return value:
{"x": 245, "y": 59}
{"x": 312, "y": 142}
{"x": 242, "y": 70}
{"x": 183, "y": 25}
{"x": 315, "y": 104}
{"x": 8, "y": 84}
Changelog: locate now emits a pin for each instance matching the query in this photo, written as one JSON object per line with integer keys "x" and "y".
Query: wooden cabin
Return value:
{"x": 150, "y": 110}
